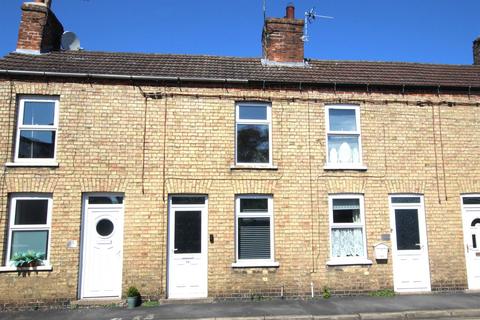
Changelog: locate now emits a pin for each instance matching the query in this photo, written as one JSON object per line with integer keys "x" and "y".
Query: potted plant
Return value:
{"x": 133, "y": 295}
{"x": 28, "y": 259}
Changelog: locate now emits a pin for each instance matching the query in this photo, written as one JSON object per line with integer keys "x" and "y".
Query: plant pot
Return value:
{"x": 29, "y": 264}
{"x": 132, "y": 302}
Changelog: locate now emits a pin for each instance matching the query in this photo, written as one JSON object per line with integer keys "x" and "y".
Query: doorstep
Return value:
{"x": 185, "y": 301}
{"x": 98, "y": 302}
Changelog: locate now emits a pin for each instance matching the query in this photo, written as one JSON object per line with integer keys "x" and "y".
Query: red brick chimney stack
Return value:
{"x": 282, "y": 38}
{"x": 476, "y": 52}
{"x": 40, "y": 31}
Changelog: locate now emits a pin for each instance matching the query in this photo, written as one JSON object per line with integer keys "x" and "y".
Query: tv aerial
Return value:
{"x": 310, "y": 16}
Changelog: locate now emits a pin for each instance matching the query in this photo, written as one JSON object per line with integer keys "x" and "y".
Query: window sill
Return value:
{"x": 255, "y": 264}
{"x": 253, "y": 167}
{"x": 27, "y": 269}
{"x": 349, "y": 262}
{"x": 32, "y": 164}
{"x": 357, "y": 167}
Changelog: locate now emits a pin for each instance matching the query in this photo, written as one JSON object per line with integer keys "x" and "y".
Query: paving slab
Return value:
{"x": 425, "y": 306}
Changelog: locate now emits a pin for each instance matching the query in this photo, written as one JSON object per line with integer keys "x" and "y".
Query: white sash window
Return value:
{"x": 347, "y": 230}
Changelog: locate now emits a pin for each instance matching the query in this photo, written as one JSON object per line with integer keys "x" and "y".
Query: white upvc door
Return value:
{"x": 471, "y": 231}
{"x": 187, "y": 247}
{"x": 102, "y": 246}
{"x": 411, "y": 271}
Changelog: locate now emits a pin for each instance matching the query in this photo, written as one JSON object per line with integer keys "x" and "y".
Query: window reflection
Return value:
{"x": 39, "y": 113}
{"x": 252, "y": 143}
{"x": 36, "y": 144}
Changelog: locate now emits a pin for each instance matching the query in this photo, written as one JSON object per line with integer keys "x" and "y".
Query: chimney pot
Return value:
{"x": 290, "y": 14}
{"x": 476, "y": 52}
{"x": 47, "y": 3}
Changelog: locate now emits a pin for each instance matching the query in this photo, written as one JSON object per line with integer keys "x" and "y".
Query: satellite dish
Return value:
{"x": 70, "y": 41}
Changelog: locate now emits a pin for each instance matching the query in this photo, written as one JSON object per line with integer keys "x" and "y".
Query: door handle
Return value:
{"x": 468, "y": 248}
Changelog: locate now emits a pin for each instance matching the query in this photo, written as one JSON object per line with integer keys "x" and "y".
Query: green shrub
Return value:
{"x": 382, "y": 293}
{"x": 150, "y": 304}
{"x": 133, "y": 292}
{"x": 326, "y": 294}
{"x": 256, "y": 297}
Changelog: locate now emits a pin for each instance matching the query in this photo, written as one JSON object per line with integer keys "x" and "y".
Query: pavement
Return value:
{"x": 425, "y": 306}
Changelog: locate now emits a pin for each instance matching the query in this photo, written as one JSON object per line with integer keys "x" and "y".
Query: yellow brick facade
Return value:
{"x": 113, "y": 139}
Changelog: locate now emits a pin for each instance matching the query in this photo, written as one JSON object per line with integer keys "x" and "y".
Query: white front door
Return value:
{"x": 471, "y": 231}
{"x": 411, "y": 272}
{"x": 102, "y": 246}
{"x": 187, "y": 247}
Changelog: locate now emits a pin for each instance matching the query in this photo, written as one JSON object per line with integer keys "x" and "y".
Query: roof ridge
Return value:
{"x": 145, "y": 54}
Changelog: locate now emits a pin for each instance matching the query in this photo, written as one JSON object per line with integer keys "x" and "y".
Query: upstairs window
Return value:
{"x": 343, "y": 136}
{"x": 253, "y": 134}
{"x": 36, "y": 130}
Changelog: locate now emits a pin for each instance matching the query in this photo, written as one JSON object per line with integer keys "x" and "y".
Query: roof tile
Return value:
{"x": 251, "y": 69}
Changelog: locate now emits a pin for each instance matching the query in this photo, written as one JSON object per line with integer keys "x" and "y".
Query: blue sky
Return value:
{"x": 432, "y": 31}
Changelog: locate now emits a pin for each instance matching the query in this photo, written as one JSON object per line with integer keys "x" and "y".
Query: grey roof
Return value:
{"x": 204, "y": 68}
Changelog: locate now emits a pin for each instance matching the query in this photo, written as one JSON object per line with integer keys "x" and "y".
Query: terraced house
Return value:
{"x": 201, "y": 176}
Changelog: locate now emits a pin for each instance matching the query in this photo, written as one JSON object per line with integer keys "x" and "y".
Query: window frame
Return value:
{"x": 269, "y": 214}
{"x": 354, "y": 165}
{"x": 29, "y": 227}
{"x": 347, "y": 260}
{"x": 267, "y": 121}
{"x": 21, "y": 126}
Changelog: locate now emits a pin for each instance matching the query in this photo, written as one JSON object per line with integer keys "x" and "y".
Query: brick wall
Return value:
{"x": 282, "y": 40}
{"x": 101, "y": 148}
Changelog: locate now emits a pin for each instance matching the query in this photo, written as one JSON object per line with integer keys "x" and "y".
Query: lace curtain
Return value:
{"x": 347, "y": 242}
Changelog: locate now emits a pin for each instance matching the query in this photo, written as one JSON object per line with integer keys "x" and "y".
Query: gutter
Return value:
{"x": 117, "y": 76}
{"x": 177, "y": 79}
